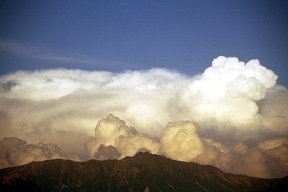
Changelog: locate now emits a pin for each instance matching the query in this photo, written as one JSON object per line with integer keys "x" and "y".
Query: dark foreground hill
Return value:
{"x": 143, "y": 172}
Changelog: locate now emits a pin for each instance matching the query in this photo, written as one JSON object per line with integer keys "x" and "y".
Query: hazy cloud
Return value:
{"x": 14, "y": 151}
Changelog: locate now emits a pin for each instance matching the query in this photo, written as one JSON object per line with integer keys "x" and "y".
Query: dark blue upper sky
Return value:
{"x": 119, "y": 35}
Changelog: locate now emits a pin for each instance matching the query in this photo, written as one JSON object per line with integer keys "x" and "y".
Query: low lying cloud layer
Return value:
{"x": 14, "y": 151}
{"x": 233, "y": 115}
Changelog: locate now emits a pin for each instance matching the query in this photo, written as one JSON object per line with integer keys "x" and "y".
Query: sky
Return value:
{"x": 134, "y": 35}
{"x": 201, "y": 81}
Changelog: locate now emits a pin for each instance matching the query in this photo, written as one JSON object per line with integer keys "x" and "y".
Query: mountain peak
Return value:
{"x": 142, "y": 172}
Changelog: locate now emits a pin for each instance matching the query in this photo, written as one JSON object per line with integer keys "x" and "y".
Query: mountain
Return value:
{"x": 143, "y": 172}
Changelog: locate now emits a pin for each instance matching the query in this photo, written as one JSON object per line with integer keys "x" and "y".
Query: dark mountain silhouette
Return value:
{"x": 143, "y": 172}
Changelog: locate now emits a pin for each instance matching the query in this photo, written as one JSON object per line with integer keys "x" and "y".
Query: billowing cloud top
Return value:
{"x": 231, "y": 103}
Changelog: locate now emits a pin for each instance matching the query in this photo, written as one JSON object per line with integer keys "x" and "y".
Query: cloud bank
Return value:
{"x": 14, "y": 151}
{"x": 233, "y": 115}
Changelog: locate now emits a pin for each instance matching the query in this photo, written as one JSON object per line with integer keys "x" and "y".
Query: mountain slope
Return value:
{"x": 143, "y": 172}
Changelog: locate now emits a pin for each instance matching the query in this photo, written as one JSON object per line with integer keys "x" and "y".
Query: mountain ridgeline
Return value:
{"x": 143, "y": 172}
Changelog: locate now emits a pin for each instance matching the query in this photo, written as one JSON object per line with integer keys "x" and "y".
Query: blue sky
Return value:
{"x": 134, "y": 35}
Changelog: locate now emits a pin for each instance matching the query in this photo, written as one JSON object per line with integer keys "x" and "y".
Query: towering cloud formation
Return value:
{"x": 229, "y": 112}
{"x": 228, "y": 90}
{"x": 113, "y": 133}
{"x": 180, "y": 141}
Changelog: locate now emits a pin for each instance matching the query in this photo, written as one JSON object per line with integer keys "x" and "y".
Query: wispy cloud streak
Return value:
{"x": 48, "y": 54}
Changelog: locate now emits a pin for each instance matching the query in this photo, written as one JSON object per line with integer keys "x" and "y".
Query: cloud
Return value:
{"x": 107, "y": 132}
{"x": 230, "y": 110}
{"x": 230, "y": 86}
{"x": 14, "y": 151}
{"x": 273, "y": 143}
{"x": 180, "y": 141}
{"x": 113, "y": 132}
{"x": 273, "y": 110}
